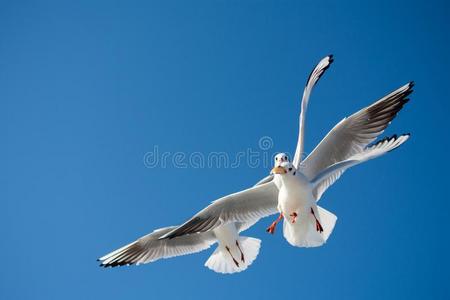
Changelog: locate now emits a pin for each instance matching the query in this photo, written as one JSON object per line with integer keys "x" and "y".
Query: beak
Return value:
{"x": 278, "y": 170}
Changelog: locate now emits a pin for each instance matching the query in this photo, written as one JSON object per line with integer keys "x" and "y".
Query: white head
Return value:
{"x": 285, "y": 168}
{"x": 280, "y": 158}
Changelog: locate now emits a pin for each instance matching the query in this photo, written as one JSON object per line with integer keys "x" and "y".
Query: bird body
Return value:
{"x": 302, "y": 224}
{"x": 295, "y": 194}
{"x": 234, "y": 253}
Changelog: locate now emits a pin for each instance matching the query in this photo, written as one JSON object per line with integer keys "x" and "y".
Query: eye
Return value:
{"x": 276, "y": 158}
{"x": 285, "y": 158}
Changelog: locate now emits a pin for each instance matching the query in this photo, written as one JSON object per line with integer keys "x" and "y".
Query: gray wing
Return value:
{"x": 242, "y": 226}
{"x": 315, "y": 75}
{"x": 245, "y": 206}
{"x": 150, "y": 248}
{"x": 353, "y": 134}
{"x": 328, "y": 176}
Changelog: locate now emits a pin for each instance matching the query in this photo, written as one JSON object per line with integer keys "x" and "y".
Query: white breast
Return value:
{"x": 295, "y": 194}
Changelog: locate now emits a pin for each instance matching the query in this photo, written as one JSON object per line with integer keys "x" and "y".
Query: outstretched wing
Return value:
{"x": 313, "y": 78}
{"x": 353, "y": 134}
{"x": 245, "y": 206}
{"x": 329, "y": 175}
{"x": 310, "y": 83}
{"x": 150, "y": 248}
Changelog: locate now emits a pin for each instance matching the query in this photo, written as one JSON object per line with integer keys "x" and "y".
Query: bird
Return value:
{"x": 305, "y": 223}
{"x": 226, "y": 217}
{"x": 349, "y": 143}
{"x": 234, "y": 252}
{"x": 301, "y": 184}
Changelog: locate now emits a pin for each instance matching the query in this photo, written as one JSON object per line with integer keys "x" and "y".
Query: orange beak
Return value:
{"x": 278, "y": 170}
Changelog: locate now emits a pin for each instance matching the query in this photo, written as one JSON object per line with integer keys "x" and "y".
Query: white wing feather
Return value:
{"x": 149, "y": 248}
{"x": 353, "y": 134}
{"x": 246, "y": 206}
{"x": 315, "y": 75}
{"x": 328, "y": 176}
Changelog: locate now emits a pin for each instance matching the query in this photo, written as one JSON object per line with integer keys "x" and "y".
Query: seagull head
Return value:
{"x": 280, "y": 158}
{"x": 284, "y": 168}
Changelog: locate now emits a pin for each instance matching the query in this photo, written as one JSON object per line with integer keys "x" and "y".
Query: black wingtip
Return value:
{"x": 386, "y": 138}
{"x": 330, "y": 61}
{"x": 410, "y": 87}
{"x": 330, "y": 58}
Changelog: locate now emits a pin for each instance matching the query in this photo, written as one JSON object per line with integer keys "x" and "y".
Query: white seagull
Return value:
{"x": 234, "y": 253}
{"x": 301, "y": 185}
{"x": 307, "y": 224}
{"x": 223, "y": 220}
{"x": 346, "y": 145}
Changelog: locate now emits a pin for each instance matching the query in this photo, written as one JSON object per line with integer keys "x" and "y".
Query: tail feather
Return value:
{"x": 328, "y": 220}
{"x": 303, "y": 233}
{"x": 221, "y": 261}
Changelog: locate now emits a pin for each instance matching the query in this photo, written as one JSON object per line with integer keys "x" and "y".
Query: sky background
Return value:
{"x": 88, "y": 88}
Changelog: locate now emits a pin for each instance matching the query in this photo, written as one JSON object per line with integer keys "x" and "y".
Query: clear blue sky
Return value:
{"x": 87, "y": 88}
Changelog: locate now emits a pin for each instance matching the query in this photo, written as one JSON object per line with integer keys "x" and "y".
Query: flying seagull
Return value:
{"x": 305, "y": 223}
{"x": 234, "y": 253}
{"x": 346, "y": 145}
{"x": 241, "y": 209}
{"x": 349, "y": 140}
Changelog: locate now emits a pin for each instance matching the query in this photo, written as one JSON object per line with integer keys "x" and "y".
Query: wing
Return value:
{"x": 245, "y": 206}
{"x": 149, "y": 248}
{"x": 328, "y": 176}
{"x": 312, "y": 80}
{"x": 242, "y": 226}
{"x": 353, "y": 134}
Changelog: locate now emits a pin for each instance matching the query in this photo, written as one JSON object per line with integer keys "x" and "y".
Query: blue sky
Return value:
{"x": 88, "y": 88}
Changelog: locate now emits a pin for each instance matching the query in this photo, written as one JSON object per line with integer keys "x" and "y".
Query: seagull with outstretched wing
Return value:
{"x": 220, "y": 222}
{"x": 347, "y": 143}
{"x": 225, "y": 218}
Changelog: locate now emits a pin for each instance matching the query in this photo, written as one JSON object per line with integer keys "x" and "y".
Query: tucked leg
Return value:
{"x": 242, "y": 254}
{"x": 271, "y": 228}
{"x": 319, "y": 227}
{"x": 234, "y": 260}
{"x": 294, "y": 217}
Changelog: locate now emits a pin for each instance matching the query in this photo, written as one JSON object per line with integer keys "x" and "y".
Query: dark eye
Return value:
{"x": 290, "y": 169}
{"x": 285, "y": 158}
{"x": 276, "y": 158}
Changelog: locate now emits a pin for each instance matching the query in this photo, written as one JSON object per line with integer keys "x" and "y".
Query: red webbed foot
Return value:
{"x": 271, "y": 228}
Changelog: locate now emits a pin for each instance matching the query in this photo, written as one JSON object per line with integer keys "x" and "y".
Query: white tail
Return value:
{"x": 222, "y": 262}
{"x": 303, "y": 233}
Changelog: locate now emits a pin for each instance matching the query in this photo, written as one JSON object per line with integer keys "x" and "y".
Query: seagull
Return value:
{"x": 225, "y": 218}
{"x": 306, "y": 224}
{"x": 234, "y": 253}
{"x": 349, "y": 143}
{"x": 301, "y": 184}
